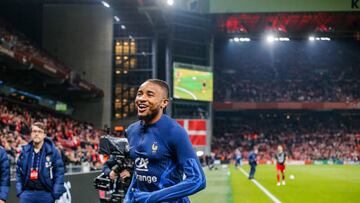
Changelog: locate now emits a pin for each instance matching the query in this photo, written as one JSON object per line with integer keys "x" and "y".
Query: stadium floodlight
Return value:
{"x": 199, "y": 153}
{"x": 270, "y": 38}
{"x": 105, "y": 4}
{"x": 236, "y": 39}
{"x": 123, "y": 27}
{"x": 312, "y": 38}
{"x": 245, "y": 39}
{"x": 284, "y": 39}
{"x": 170, "y": 2}
{"x": 117, "y": 19}
{"x": 325, "y": 38}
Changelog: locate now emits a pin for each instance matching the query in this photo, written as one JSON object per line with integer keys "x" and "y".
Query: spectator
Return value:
{"x": 40, "y": 170}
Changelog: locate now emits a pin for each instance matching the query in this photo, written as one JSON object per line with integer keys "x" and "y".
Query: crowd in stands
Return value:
{"x": 289, "y": 72}
{"x": 304, "y": 136}
{"x": 77, "y": 141}
{"x": 317, "y": 90}
{"x": 296, "y": 71}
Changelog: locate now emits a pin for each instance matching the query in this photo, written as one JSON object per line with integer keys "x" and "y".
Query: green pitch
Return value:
{"x": 193, "y": 85}
{"x": 322, "y": 183}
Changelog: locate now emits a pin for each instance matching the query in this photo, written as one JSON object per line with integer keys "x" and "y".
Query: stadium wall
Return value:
{"x": 79, "y": 188}
{"x": 81, "y": 36}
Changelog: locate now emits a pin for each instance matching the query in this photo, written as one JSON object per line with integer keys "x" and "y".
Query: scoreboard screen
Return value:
{"x": 192, "y": 84}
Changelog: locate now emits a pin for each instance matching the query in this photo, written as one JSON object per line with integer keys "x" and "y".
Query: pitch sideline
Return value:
{"x": 271, "y": 196}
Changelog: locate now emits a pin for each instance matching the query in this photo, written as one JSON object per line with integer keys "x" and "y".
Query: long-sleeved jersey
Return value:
{"x": 4, "y": 175}
{"x": 252, "y": 158}
{"x": 280, "y": 158}
{"x": 166, "y": 167}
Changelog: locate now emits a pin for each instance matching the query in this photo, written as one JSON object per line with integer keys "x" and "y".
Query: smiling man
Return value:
{"x": 166, "y": 167}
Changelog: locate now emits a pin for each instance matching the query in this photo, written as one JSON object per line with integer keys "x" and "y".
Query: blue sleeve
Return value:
{"x": 251, "y": 157}
{"x": 129, "y": 197}
{"x": 58, "y": 188}
{"x": 19, "y": 176}
{"x": 5, "y": 175}
{"x": 189, "y": 163}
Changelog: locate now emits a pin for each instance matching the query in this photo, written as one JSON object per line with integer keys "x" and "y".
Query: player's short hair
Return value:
{"x": 40, "y": 125}
{"x": 164, "y": 85}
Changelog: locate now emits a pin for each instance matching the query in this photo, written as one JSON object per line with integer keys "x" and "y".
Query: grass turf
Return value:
{"x": 312, "y": 183}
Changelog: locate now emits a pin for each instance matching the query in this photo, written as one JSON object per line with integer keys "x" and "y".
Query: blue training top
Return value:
{"x": 252, "y": 158}
{"x": 4, "y": 175}
{"x": 166, "y": 167}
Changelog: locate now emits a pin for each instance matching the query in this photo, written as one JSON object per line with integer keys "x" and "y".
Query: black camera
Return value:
{"x": 119, "y": 150}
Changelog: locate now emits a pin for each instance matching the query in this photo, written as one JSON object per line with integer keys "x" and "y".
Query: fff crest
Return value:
{"x": 154, "y": 147}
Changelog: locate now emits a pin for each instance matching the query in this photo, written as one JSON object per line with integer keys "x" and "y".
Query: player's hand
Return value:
{"x": 142, "y": 197}
{"x": 113, "y": 175}
{"x": 125, "y": 174}
{"x": 1, "y": 201}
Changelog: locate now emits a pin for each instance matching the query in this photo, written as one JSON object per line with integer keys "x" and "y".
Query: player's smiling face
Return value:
{"x": 150, "y": 102}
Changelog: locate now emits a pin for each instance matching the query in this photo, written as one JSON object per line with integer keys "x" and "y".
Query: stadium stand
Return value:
{"x": 324, "y": 73}
{"x": 315, "y": 90}
{"x": 305, "y": 135}
{"x": 77, "y": 141}
{"x": 16, "y": 45}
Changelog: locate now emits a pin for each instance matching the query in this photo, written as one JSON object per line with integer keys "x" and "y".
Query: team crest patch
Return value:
{"x": 48, "y": 158}
{"x": 154, "y": 147}
{"x": 48, "y": 161}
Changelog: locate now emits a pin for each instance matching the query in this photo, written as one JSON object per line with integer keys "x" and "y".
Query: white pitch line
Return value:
{"x": 272, "y": 197}
{"x": 187, "y": 91}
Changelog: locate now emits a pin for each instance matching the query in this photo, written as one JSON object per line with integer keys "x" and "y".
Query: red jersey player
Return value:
{"x": 280, "y": 165}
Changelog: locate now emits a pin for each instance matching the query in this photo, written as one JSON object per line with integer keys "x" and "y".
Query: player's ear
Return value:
{"x": 164, "y": 103}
